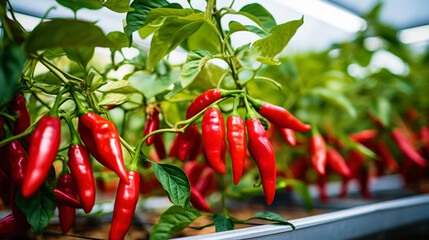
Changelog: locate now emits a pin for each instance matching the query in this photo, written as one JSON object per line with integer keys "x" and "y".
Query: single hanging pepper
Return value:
{"x": 194, "y": 170}
{"x": 18, "y": 160}
{"x": 363, "y": 136}
{"x": 424, "y": 137}
{"x": 152, "y": 124}
{"x": 289, "y": 135}
{"x": 279, "y": 116}
{"x": 198, "y": 201}
{"x": 42, "y": 152}
{"x": 337, "y": 162}
{"x": 407, "y": 148}
{"x": 66, "y": 214}
{"x": 81, "y": 170}
{"x": 261, "y": 150}
{"x": 213, "y": 130}
{"x": 236, "y": 135}
{"x": 125, "y": 205}
{"x": 203, "y": 101}
{"x": 318, "y": 153}
{"x": 159, "y": 146}
{"x": 18, "y": 104}
{"x": 205, "y": 180}
{"x": 321, "y": 186}
{"x": 174, "y": 148}
{"x": 387, "y": 156}
{"x": 186, "y": 142}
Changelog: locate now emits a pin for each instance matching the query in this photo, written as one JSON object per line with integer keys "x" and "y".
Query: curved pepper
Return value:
{"x": 67, "y": 199}
{"x": 203, "y": 101}
{"x": 205, "y": 180}
{"x": 66, "y": 214}
{"x": 152, "y": 124}
{"x": 261, "y": 150}
{"x": 194, "y": 170}
{"x": 18, "y": 104}
{"x": 81, "y": 171}
{"x": 213, "y": 131}
{"x": 407, "y": 148}
{"x": 102, "y": 140}
{"x": 198, "y": 201}
{"x": 186, "y": 142}
{"x": 318, "y": 153}
{"x": 363, "y": 136}
{"x": 337, "y": 162}
{"x": 387, "y": 156}
{"x": 18, "y": 160}
{"x": 43, "y": 150}
{"x": 236, "y": 135}
{"x": 125, "y": 205}
{"x": 289, "y": 135}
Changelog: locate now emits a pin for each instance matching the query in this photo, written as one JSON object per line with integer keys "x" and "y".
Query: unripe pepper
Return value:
{"x": 18, "y": 160}
{"x": 279, "y": 116}
{"x": 152, "y": 124}
{"x": 337, "y": 162}
{"x": 66, "y": 214}
{"x": 407, "y": 148}
{"x": 213, "y": 131}
{"x": 125, "y": 205}
{"x": 318, "y": 153}
{"x": 236, "y": 135}
{"x": 186, "y": 142}
{"x": 18, "y": 104}
{"x": 289, "y": 135}
{"x": 261, "y": 150}
{"x": 42, "y": 152}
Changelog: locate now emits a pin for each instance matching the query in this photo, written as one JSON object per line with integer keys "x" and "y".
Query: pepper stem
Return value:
{"x": 251, "y": 114}
{"x": 81, "y": 110}
{"x": 255, "y": 102}
{"x": 235, "y": 106}
{"x": 74, "y": 137}
{"x": 54, "y": 109}
{"x": 133, "y": 165}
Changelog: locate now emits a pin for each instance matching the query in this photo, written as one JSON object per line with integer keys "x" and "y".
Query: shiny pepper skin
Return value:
{"x": 102, "y": 140}
{"x": 289, "y": 135}
{"x": 318, "y": 153}
{"x": 262, "y": 151}
{"x": 42, "y": 152}
{"x": 18, "y": 160}
{"x": 18, "y": 104}
{"x": 282, "y": 118}
{"x": 67, "y": 199}
{"x": 186, "y": 142}
{"x": 407, "y": 148}
{"x": 203, "y": 101}
{"x": 81, "y": 171}
{"x": 66, "y": 214}
{"x": 125, "y": 205}
{"x": 213, "y": 131}
{"x": 337, "y": 162}
{"x": 152, "y": 124}
{"x": 236, "y": 135}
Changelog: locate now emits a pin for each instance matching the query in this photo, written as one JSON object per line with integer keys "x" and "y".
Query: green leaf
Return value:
{"x": 355, "y": 145}
{"x": 12, "y": 60}
{"x": 150, "y": 28}
{"x": 113, "y": 99}
{"x": 75, "y": 5}
{"x": 279, "y": 38}
{"x": 137, "y": 18}
{"x": 270, "y": 216}
{"x": 48, "y": 83}
{"x": 80, "y": 55}
{"x": 175, "y": 182}
{"x": 336, "y": 98}
{"x": 66, "y": 33}
{"x": 152, "y": 85}
{"x": 39, "y": 208}
{"x": 267, "y": 61}
{"x": 237, "y": 27}
{"x": 222, "y": 222}
{"x": 206, "y": 37}
{"x": 177, "y": 88}
{"x": 173, "y": 221}
{"x": 194, "y": 63}
{"x": 171, "y": 34}
{"x": 303, "y": 191}
{"x": 167, "y": 12}
{"x": 119, "y": 6}
{"x": 119, "y": 40}
{"x": 258, "y": 11}
{"x": 121, "y": 86}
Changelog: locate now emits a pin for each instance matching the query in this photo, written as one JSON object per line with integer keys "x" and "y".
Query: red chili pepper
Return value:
{"x": 186, "y": 142}
{"x": 318, "y": 153}
{"x": 205, "y": 180}
{"x": 194, "y": 170}
{"x": 152, "y": 124}
{"x": 407, "y": 148}
{"x": 321, "y": 185}
{"x": 196, "y": 146}
{"x": 236, "y": 135}
{"x": 43, "y": 150}
{"x": 110, "y": 107}
{"x": 213, "y": 130}
{"x": 11, "y": 228}
{"x": 23, "y": 122}
{"x": 289, "y": 135}
{"x": 81, "y": 171}
{"x": 299, "y": 169}
{"x": 363, "y": 136}
{"x": 125, "y": 205}
{"x": 364, "y": 183}
{"x": 203, "y": 101}
{"x": 174, "y": 148}
{"x": 198, "y": 201}
{"x": 387, "y": 156}
{"x": 6, "y": 191}
{"x": 102, "y": 140}
{"x": 337, "y": 162}
{"x": 159, "y": 146}
{"x": 263, "y": 153}
{"x": 279, "y": 116}
{"x": 67, "y": 199}
{"x": 66, "y": 214}
{"x": 424, "y": 137}
{"x": 17, "y": 158}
